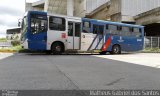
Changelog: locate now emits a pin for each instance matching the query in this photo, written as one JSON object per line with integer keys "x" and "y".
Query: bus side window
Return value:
{"x": 95, "y": 29}
{"x": 119, "y": 28}
{"x": 137, "y": 32}
{"x": 86, "y": 27}
{"x": 106, "y": 27}
{"x": 77, "y": 29}
{"x": 38, "y": 24}
{"x": 70, "y": 29}
{"x": 57, "y": 23}
{"x": 125, "y": 31}
{"x": 131, "y": 30}
{"x": 113, "y": 29}
{"x": 101, "y": 29}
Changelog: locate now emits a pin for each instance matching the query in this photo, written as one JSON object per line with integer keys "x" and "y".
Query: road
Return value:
{"x": 38, "y": 72}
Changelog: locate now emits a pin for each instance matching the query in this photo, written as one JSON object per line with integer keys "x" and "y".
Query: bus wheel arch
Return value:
{"x": 57, "y": 47}
{"x": 116, "y": 49}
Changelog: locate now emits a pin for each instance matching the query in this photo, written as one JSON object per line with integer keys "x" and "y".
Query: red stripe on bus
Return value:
{"x": 107, "y": 44}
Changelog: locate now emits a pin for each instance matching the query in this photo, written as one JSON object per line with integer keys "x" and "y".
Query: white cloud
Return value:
{"x": 10, "y": 12}
{"x": 32, "y": 0}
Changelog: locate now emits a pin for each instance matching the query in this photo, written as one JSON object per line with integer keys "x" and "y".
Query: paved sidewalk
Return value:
{"x": 146, "y": 59}
{"x": 5, "y": 55}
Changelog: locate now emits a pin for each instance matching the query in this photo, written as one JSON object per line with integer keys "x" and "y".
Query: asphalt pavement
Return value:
{"x": 67, "y": 72}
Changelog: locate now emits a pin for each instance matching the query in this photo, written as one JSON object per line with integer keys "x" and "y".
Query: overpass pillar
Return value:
{"x": 70, "y": 7}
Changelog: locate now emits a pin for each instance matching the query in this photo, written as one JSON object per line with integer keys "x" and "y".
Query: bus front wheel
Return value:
{"x": 116, "y": 49}
{"x": 57, "y": 48}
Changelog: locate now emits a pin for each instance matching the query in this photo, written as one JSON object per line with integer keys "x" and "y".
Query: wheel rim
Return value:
{"x": 58, "y": 48}
{"x": 116, "y": 49}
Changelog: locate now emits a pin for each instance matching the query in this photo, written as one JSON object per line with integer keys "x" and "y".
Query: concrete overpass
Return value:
{"x": 65, "y": 7}
{"x": 151, "y": 21}
{"x": 79, "y": 8}
{"x": 114, "y": 10}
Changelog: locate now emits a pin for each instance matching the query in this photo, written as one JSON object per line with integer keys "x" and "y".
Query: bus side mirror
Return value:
{"x": 19, "y": 22}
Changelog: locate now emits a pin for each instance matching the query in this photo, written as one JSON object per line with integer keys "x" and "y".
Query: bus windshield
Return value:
{"x": 24, "y": 28}
{"x": 38, "y": 24}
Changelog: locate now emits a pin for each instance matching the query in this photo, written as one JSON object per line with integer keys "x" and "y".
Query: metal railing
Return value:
{"x": 5, "y": 44}
{"x": 152, "y": 42}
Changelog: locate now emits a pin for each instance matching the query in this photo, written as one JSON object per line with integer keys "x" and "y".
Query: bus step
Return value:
{"x": 97, "y": 51}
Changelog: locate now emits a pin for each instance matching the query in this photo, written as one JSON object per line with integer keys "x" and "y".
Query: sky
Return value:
{"x": 10, "y": 12}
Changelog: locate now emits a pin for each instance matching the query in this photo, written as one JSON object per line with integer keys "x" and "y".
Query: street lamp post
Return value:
{"x": 25, "y": 5}
{"x": 70, "y": 7}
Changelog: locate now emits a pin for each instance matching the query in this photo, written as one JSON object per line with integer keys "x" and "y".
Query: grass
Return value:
{"x": 21, "y": 50}
{"x": 3, "y": 39}
{"x": 11, "y": 49}
{"x": 151, "y": 50}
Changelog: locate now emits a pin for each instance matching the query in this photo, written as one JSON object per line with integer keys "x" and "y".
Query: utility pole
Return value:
{"x": 25, "y": 5}
{"x": 70, "y": 7}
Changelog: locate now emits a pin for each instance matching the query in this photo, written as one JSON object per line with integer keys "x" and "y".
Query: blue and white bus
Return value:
{"x": 57, "y": 34}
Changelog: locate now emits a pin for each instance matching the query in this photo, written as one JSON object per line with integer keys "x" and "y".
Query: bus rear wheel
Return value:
{"x": 57, "y": 48}
{"x": 116, "y": 49}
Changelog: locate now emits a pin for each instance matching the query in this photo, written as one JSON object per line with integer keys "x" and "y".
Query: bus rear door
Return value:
{"x": 74, "y": 29}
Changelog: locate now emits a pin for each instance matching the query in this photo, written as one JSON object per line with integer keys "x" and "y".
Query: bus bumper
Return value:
{"x": 25, "y": 44}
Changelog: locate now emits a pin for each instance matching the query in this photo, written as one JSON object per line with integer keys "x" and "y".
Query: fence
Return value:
{"x": 5, "y": 44}
{"x": 152, "y": 42}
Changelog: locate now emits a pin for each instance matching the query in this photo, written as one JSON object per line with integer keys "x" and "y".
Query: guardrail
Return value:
{"x": 152, "y": 42}
{"x": 5, "y": 44}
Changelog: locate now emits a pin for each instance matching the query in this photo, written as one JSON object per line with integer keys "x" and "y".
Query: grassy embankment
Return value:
{"x": 151, "y": 50}
{"x": 15, "y": 48}
{"x": 3, "y": 39}
{"x": 18, "y": 48}
{"x": 11, "y": 49}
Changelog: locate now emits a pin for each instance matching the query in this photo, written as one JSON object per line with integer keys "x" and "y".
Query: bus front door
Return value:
{"x": 38, "y": 32}
{"x": 74, "y": 29}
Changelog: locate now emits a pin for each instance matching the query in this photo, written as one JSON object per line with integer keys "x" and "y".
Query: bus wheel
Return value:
{"x": 103, "y": 53}
{"x": 116, "y": 49}
{"x": 57, "y": 48}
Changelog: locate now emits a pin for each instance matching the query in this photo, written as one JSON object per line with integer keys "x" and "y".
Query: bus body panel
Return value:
{"x": 55, "y": 36}
{"x": 94, "y": 37}
{"x": 91, "y": 41}
{"x": 62, "y": 36}
{"x": 37, "y": 41}
{"x": 73, "y": 39}
{"x": 127, "y": 43}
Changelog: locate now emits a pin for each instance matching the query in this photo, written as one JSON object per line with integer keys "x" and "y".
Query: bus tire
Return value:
{"x": 57, "y": 48}
{"x": 116, "y": 49}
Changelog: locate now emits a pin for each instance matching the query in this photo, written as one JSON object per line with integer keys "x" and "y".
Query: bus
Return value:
{"x": 58, "y": 34}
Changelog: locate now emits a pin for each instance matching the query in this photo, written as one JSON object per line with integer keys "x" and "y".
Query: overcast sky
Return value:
{"x": 10, "y": 12}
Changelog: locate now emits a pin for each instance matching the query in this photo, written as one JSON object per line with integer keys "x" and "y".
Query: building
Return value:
{"x": 75, "y": 7}
{"x": 13, "y": 34}
{"x": 143, "y": 12}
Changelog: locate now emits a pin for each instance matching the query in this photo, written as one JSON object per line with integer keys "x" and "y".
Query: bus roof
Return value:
{"x": 87, "y": 19}
{"x": 58, "y": 15}
{"x": 38, "y": 12}
{"x": 113, "y": 23}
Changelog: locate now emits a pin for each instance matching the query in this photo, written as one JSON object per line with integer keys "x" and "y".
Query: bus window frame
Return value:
{"x": 63, "y": 23}
{"x": 113, "y": 32}
{"x": 37, "y": 19}
{"x": 139, "y": 35}
{"x": 88, "y": 28}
